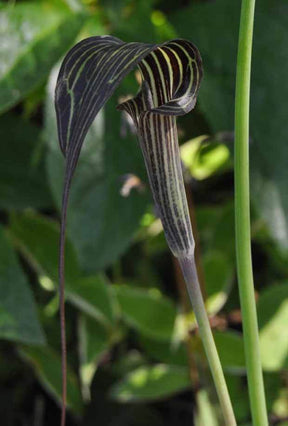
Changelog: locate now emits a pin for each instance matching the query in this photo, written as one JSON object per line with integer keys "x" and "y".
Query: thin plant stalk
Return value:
{"x": 242, "y": 217}
{"x": 190, "y": 274}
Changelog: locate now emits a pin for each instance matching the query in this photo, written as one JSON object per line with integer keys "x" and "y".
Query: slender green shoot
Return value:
{"x": 242, "y": 217}
{"x": 190, "y": 274}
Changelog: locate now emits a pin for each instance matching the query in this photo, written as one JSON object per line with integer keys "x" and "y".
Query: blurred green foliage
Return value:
{"x": 133, "y": 347}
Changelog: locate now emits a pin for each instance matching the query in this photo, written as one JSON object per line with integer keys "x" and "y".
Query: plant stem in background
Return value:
{"x": 190, "y": 274}
{"x": 242, "y": 218}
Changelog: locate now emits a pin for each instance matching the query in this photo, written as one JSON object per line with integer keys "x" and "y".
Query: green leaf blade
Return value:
{"x": 18, "y": 317}
{"x": 151, "y": 384}
{"x": 147, "y": 311}
{"x": 47, "y": 366}
{"x": 23, "y": 181}
{"x": 272, "y": 309}
{"x": 34, "y": 36}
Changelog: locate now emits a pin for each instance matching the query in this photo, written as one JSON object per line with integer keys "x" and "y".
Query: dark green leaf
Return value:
{"x": 94, "y": 342}
{"x": 229, "y": 344}
{"x": 128, "y": 362}
{"x": 135, "y": 21}
{"x": 47, "y": 366}
{"x": 275, "y": 397}
{"x": 216, "y": 225}
{"x": 237, "y": 386}
{"x": 272, "y": 310}
{"x": 147, "y": 310}
{"x": 18, "y": 318}
{"x": 23, "y": 181}
{"x": 276, "y": 394}
{"x": 38, "y": 238}
{"x": 230, "y": 347}
{"x": 166, "y": 352}
{"x": 93, "y": 295}
{"x": 33, "y": 37}
{"x": 151, "y": 383}
{"x": 218, "y": 273}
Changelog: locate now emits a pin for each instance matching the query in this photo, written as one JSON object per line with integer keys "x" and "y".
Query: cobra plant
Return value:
{"x": 171, "y": 75}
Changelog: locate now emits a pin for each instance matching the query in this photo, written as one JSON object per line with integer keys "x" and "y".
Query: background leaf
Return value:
{"x": 218, "y": 272}
{"x": 151, "y": 383}
{"x": 165, "y": 352}
{"x": 272, "y": 310}
{"x": 47, "y": 365}
{"x": 23, "y": 181}
{"x": 30, "y": 230}
{"x": 148, "y": 311}
{"x": 18, "y": 317}
{"x": 94, "y": 296}
{"x": 33, "y": 37}
{"x": 90, "y": 294}
{"x": 94, "y": 343}
{"x": 230, "y": 347}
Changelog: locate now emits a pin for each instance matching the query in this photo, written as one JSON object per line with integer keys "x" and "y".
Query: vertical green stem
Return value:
{"x": 190, "y": 274}
{"x": 242, "y": 207}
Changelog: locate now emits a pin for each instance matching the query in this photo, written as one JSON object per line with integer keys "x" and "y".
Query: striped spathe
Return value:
{"x": 171, "y": 74}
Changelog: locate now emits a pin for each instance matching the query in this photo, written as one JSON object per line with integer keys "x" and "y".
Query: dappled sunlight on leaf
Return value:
{"x": 156, "y": 382}
{"x": 272, "y": 309}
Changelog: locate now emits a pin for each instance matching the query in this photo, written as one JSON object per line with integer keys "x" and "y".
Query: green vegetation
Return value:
{"x": 134, "y": 353}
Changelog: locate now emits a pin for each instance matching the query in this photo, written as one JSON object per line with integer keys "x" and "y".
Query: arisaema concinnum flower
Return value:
{"x": 171, "y": 75}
